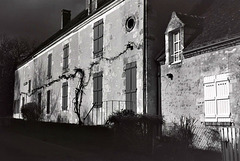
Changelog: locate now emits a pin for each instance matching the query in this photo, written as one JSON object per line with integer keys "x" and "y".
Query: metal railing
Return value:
{"x": 98, "y": 115}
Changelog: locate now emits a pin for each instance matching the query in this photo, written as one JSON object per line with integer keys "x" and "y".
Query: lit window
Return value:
{"x": 176, "y": 46}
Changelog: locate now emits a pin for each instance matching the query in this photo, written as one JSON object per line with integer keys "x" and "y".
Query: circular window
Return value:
{"x": 130, "y": 23}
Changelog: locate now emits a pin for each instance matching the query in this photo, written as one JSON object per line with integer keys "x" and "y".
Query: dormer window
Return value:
{"x": 176, "y": 45}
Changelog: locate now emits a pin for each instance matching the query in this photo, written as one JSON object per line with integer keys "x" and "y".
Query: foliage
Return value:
{"x": 183, "y": 132}
{"x": 31, "y": 112}
{"x": 134, "y": 129}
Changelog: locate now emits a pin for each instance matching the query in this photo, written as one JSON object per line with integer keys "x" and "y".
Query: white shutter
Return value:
{"x": 222, "y": 99}
{"x": 210, "y": 96}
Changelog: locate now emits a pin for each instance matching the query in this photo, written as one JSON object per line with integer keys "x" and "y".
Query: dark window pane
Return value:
{"x": 48, "y": 102}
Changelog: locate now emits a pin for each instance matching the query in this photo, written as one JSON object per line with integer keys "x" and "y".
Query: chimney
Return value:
{"x": 91, "y": 5}
{"x": 66, "y": 18}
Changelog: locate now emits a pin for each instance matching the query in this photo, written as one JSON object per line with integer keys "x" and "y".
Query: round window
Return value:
{"x": 130, "y": 23}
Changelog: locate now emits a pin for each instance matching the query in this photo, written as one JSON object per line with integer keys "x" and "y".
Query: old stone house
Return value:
{"x": 108, "y": 41}
{"x": 200, "y": 65}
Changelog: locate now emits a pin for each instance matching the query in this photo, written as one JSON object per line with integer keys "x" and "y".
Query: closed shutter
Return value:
{"x": 65, "y": 96}
{"x": 29, "y": 86}
{"x": 65, "y": 57}
{"x": 209, "y": 96}
{"x": 48, "y": 101}
{"x": 39, "y": 100}
{"x": 98, "y": 38}
{"x": 222, "y": 99}
{"x": 131, "y": 86}
{"x": 49, "y": 65}
{"x": 97, "y": 89}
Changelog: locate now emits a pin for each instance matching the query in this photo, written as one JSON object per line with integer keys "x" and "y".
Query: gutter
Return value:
{"x": 211, "y": 45}
{"x": 144, "y": 55}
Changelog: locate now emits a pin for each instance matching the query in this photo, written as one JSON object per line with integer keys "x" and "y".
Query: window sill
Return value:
{"x": 176, "y": 62}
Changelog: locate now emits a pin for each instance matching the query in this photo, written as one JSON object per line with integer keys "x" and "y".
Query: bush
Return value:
{"x": 31, "y": 112}
{"x": 182, "y": 132}
{"x": 134, "y": 130}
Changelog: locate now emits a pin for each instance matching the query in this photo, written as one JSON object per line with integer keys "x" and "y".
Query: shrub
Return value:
{"x": 31, "y": 112}
{"x": 183, "y": 132}
{"x": 134, "y": 130}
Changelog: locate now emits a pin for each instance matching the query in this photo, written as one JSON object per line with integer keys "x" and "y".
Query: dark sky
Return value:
{"x": 35, "y": 19}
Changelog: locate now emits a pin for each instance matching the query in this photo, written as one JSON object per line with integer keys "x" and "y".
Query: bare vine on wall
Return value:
{"x": 82, "y": 82}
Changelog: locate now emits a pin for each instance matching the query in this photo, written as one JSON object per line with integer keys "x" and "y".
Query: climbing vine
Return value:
{"x": 79, "y": 91}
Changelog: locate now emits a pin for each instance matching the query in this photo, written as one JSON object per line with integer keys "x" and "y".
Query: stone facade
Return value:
{"x": 80, "y": 40}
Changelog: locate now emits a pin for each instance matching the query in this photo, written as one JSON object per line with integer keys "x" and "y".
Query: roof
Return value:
{"x": 190, "y": 20}
{"x": 222, "y": 22}
{"x": 219, "y": 21}
{"x": 73, "y": 23}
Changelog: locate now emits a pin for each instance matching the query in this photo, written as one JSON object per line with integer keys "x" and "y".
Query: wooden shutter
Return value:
{"x": 49, "y": 65}
{"x": 131, "y": 86}
{"x": 98, "y": 38}
{"x": 39, "y": 100}
{"x": 65, "y": 57}
{"x": 48, "y": 101}
{"x": 222, "y": 99}
{"x": 209, "y": 96}
{"x": 65, "y": 96}
{"x": 29, "y": 86}
{"x": 97, "y": 89}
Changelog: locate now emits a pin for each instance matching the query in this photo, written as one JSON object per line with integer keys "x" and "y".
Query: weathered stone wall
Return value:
{"x": 80, "y": 42}
{"x": 184, "y": 94}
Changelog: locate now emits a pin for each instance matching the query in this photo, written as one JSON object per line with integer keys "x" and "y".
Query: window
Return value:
{"x": 131, "y": 86}
{"x": 49, "y": 73}
{"x": 48, "y": 101}
{"x": 98, "y": 39}
{"x": 23, "y": 101}
{"x": 175, "y": 47}
{"x": 130, "y": 23}
{"x": 29, "y": 86}
{"x": 39, "y": 100}
{"x": 97, "y": 89}
{"x": 216, "y": 98}
{"x": 65, "y": 57}
{"x": 65, "y": 96}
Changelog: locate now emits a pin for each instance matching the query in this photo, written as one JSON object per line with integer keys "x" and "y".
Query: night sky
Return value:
{"x": 35, "y": 19}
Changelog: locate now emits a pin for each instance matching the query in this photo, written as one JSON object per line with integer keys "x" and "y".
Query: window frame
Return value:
{"x": 215, "y": 100}
{"x": 66, "y": 49}
{"x": 65, "y": 97}
{"x": 48, "y": 110}
{"x": 98, "y": 31}
{"x": 175, "y": 52}
{"x": 98, "y": 89}
{"x": 131, "y": 86}
{"x": 49, "y": 72}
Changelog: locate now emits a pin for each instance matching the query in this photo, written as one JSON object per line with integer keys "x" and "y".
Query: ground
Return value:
{"x": 55, "y": 142}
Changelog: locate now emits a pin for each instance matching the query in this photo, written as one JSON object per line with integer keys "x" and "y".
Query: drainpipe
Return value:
{"x": 144, "y": 55}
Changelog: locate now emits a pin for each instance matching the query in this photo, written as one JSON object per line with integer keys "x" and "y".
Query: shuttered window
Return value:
{"x": 48, "y": 101}
{"x": 98, "y": 39}
{"x": 97, "y": 89}
{"x": 39, "y": 99}
{"x": 65, "y": 96}
{"x": 65, "y": 57}
{"x": 23, "y": 101}
{"x": 29, "y": 86}
{"x": 216, "y": 97}
{"x": 131, "y": 86}
{"x": 49, "y": 73}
